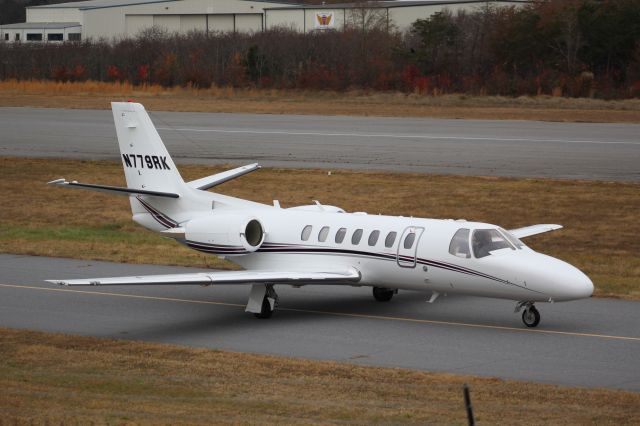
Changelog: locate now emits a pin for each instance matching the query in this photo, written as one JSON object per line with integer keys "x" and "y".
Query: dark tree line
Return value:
{"x": 568, "y": 47}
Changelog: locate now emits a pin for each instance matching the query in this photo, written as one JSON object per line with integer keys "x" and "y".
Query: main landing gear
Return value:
{"x": 263, "y": 300}
{"x": 530, "y": 315}
{"x": 383, "y": 294}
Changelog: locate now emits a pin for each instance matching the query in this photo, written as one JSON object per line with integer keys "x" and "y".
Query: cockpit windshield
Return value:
{"x": 512, "y": 239}
{"x": 484, "y": 241}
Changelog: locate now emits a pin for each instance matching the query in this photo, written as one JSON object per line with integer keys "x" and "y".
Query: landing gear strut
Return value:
{"x": 383, "y": 294}
{"x": 262, "y": 300}
{"x": 530, "y": 315}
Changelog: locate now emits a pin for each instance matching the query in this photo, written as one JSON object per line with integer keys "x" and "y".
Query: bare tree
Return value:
{"x": 368, "y": 16}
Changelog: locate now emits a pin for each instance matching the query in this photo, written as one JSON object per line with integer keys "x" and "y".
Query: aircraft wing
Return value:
{"x": 223, "y": 277}
{"x": 528, "y": 231}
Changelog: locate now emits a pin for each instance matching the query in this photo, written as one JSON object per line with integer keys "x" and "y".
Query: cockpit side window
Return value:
{"x": 459, "y": 245}
{"x": 484, "y": 241}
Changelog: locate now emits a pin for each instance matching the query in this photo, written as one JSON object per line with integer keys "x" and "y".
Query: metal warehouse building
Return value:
{"x": 126, "y": 18}
{"x": 399, "y": 14}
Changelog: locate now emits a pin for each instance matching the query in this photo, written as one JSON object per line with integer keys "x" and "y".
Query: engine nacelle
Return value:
{"x": 228, "y": 234}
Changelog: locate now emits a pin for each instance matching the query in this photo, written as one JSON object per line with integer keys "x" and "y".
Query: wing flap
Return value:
{"x": 528, "y": 231}
{"x": 224, "y": 277}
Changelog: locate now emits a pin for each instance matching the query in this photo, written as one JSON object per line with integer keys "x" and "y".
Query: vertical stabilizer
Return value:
{"x": 147, "y": 164}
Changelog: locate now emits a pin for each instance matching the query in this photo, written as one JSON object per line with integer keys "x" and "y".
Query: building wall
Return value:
{"x": 220, "y": 15}
{"x": 193, "y": 23}
{"x": 104, "y": 23}
{"x": 43, "y": 32}
{"x": 50, "y": 14}
{"x": 220, "y": 23}
{"x": 403, "y": 17}
{"x": 303, "y": 20}
{"x": 175, "y": 16}
{"x": 292, "y": 19}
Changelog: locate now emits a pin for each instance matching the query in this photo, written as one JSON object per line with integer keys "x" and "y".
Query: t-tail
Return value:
{"x": 160, "y": 199}
{"x": 147, "y": 164}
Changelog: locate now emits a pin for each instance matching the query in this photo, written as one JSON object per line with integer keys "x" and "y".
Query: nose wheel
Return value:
{"x": 530, "y": 315}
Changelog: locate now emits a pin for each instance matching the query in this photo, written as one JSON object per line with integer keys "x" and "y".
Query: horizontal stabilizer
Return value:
{"x": 224, "y": 277}
{"x": 219, "y": 178}
{"x": 111, "y": 189}
{"x": 528, "y": 231}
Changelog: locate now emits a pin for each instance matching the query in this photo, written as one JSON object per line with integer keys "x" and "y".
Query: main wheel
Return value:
{"x": 531, "y": 316}
{"x": 382, "y": 294}
{"x": 265, "y": 310}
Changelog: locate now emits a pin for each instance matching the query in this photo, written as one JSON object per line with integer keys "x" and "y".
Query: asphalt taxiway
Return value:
{"x": 591, "y": 343}
{"x": 469, "y": 147}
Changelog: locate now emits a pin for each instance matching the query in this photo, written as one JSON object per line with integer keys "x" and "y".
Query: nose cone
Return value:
{"x": 577, "y": 284}
{"x": 567, "y": 281}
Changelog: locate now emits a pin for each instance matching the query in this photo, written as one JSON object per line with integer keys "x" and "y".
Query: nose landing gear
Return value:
{"x": 530, "y": 315}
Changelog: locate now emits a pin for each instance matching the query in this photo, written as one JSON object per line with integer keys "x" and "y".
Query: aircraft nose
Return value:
{"x": 579, "y": 285}
{"x": 571, "y": 282}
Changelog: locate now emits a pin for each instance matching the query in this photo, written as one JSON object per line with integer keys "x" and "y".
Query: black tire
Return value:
{"x": 382, "y": 294}
{"x": 265, "y": 311}
{"x": 531, "y": 316}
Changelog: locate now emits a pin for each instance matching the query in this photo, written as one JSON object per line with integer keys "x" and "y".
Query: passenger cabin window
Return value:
{"x": 484, "y": 241}
{"x": 409, "y": 239}
{"x": 55, "y": 37}
{"x": 34, "y": 37}
{"x": 322, "y": 235}
{"x": 356, "y": 237}
{"x": 306, "y": 233}
{"x": 459, "y": 245}
{"x": 373, "y": 238}
{"x": 74, "y": 37}
{"x": 340, "y": 235}
{"x": 391, "y": 238}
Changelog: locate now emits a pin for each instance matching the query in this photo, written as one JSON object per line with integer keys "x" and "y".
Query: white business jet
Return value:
{"x": 321, "y": 244}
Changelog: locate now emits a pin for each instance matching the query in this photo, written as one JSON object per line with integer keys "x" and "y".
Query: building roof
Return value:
{"x": 97, "y": 4}
{"x": 393, "y": 3}
{"x": 40, "y": 26}
{"x": 100, "y": 4}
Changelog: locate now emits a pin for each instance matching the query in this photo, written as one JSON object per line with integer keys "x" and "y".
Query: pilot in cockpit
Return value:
{"x": 481, "y": 243}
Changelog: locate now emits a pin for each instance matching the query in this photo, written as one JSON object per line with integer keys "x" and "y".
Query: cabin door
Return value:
{"x": 408, "y": 246}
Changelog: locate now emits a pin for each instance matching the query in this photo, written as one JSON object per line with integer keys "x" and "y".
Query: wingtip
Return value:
{"x": 57, "y": 181}
{"x": 57, "y": 282}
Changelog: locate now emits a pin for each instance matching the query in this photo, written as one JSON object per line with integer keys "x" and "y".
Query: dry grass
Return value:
{"x": 600, "y": 218}
{"x": 58, "y": 379}
{"x": 97, "y": 95}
